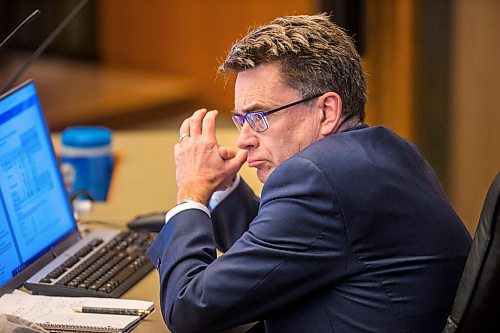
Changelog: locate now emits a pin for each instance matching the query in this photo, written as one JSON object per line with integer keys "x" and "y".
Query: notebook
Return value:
{"x": 39, "y": 239}
{"x": 56, "y": 313}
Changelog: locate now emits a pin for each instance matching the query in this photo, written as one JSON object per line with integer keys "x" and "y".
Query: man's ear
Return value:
{"x": 331, "y": 107}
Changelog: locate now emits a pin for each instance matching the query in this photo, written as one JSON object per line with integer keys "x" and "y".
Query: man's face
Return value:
{"x": 290, "y": 130}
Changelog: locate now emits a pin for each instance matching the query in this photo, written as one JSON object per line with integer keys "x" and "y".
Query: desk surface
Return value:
{"x": 144, "y": 182}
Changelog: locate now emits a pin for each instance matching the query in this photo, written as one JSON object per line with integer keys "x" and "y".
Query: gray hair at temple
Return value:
{"x": 315, "y": 55}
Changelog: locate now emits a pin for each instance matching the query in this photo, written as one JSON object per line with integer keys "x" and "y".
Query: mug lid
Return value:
{"x": 86, "y": 136}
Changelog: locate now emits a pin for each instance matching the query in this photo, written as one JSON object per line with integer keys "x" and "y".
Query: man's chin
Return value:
{"x": 263, "y": 174}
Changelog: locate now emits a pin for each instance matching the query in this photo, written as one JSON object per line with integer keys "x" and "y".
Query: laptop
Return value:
{"x": 40, "y": 245}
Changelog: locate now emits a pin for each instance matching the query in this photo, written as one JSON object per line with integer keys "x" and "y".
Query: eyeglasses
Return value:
{"x": 258, "y": 119}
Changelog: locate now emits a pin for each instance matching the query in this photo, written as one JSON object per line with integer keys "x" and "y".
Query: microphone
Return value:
{"x": 23, "y": 23}
{"x": 44, "y": 45}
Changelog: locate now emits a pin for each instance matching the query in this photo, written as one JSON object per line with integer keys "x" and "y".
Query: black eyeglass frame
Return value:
{"x": 241, "y": 118}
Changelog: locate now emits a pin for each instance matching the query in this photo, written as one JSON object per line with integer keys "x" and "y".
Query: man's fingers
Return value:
{"x": 195, "y": 124}
{"x": 226, "y": 153}
{"x": 202, "y": 166}
{"x": 208, "y": 128}
{"x": 239, "y": 159}
{"x": 241, "y": 156}
{"x": 184, "y": 129}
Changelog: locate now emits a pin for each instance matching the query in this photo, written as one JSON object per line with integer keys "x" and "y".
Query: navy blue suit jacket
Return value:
{"x": 353, "y": 234}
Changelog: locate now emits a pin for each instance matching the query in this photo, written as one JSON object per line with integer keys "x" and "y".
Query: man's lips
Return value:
{"x": 255, "y": 163}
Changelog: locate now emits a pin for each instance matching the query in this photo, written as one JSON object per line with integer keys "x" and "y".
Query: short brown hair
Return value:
{"x": 315, "y": 55}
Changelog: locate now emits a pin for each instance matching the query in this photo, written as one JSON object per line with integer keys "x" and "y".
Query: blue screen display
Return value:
{"x": 34, "y": 209}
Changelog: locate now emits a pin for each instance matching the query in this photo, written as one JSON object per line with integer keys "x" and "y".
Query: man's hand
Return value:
{"x": 203, "y": 167}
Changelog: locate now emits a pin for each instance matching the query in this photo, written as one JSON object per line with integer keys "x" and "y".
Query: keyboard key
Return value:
{"x": 107, "y": 270}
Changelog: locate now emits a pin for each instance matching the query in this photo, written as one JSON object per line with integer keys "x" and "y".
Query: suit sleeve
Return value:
{"x": 233, "y": 215}
{"x": 295, "y": 246}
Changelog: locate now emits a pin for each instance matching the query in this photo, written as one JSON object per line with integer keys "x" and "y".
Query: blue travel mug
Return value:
{"x": 87, "y": 161}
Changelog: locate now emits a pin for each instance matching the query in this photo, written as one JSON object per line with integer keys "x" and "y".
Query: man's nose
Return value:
{"x": 247, "y": 138}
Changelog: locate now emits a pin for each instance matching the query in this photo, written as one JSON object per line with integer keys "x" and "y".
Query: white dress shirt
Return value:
{"x": 216, "y": 198}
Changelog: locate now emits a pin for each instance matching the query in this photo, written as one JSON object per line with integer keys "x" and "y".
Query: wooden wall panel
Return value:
{"x": 432, "y": 83}
{"x": 185, "y": 37}
{"x": 389, "y": 62}
{"x": 475, "y": 100}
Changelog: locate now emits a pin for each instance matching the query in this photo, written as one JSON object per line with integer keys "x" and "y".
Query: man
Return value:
{"x": 352, "y": 233}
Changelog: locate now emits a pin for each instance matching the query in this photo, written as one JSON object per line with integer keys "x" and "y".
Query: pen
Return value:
{"x": 117, "y": 311}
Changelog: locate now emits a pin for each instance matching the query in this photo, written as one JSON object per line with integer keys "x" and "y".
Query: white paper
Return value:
{"x": 59, "y": 310}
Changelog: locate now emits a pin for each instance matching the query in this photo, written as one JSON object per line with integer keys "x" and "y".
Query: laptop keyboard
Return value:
{"x": 100, "y": 271}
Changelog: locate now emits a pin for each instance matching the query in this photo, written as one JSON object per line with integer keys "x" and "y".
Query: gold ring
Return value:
{"x": 185, "y": 135}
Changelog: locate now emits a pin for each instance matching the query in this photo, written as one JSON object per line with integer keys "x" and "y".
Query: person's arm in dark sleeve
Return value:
{"x": 298, "y": 235}
{"x": 232, "y": 215}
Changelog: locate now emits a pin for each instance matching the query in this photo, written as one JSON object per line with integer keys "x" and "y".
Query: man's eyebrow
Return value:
{"x": 255, "y": 106}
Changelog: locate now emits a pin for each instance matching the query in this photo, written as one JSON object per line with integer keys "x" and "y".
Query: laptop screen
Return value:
{"x": 34, "y": 210}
